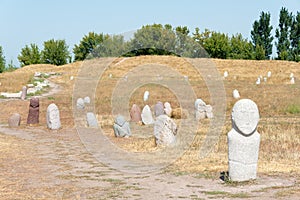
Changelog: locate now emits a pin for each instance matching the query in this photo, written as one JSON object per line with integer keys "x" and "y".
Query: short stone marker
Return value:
{"x": 269, "y": 74}
{"x": 236, "y": 94}
{"x": 258, "y": 81}
{"x": 265, "y": 79}
{"x": 87, "y": 100}
{"x": 225, "y": 74}
{"x": 52, "y": 117}
{"x": 91, "y": 120}
{"x": 165, "y": 130}
{"x": 159, "y": 109}
{"x": 34, "y": 111}
{"x": 243, "y": 141}
{"x": 135, "y": 113}
{"x": 80, "y": 104}
{"x": 121, "y": 127}
{"x": 37, "y": 74}
{"x": 186, "y": 78}
{"x": 147, "y": 115}
{"x": 200, "y": 109}
{"x": 14, "y": 120}
{"x": 146, "y": 95}
{"x": 209, "y": 111}
{"x": 168, "y": 109}
{"x": 24, "y": 93}
{"x": 71, "y": 78}
{"x": 292, "y": 80}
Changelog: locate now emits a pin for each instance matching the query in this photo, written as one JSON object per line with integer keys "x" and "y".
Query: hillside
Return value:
{"x": 276, "y": 99}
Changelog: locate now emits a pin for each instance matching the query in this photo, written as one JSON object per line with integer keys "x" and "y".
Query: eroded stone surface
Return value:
{"x": 53, "y": 117}
{"x": 146, "y": 95}
{"x": 168, "y": 109}
{"x": 159, "y": 109}
{"x": 121, "y": 127}
{"x": 91, "y": 120}
{"x": 135, "y": 113}
{"x": 243, "y": 141}
{"x": 80, "y": 104}
{"x": 165, "y": 130}
{"x": 24, "y": 93}
{"x": 236, "y": 94}
{"x": 34, "y": 111}
{"x": 14, "y": 120}
{"x": 200, "y": 107}
{"x": 146, "y": 115}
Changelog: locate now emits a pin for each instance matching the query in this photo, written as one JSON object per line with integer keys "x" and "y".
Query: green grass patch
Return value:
{"x": 293, "y": 109}
{"x": 51, "y": 98}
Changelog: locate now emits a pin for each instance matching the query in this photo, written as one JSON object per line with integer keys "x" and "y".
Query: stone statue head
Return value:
{"x": 245, "y": 117}
{"x": 34, "y": 102}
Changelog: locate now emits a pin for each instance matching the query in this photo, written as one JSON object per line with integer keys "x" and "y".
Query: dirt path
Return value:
{"x": 42, "y": 164}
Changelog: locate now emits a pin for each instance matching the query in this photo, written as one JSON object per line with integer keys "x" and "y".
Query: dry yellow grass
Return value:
{"x": 280, "y": 138}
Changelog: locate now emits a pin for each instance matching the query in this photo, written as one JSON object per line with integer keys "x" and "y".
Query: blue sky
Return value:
{"x": 34, "y": 21}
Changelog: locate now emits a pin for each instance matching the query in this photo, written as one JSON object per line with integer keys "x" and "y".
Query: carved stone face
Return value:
{"x": 245, "y": 116}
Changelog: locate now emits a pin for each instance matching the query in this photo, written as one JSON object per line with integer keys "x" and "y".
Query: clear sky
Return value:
{"x": 35, "y": 21}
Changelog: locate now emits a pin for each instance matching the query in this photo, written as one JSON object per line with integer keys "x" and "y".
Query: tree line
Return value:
{"x": 158, "y": 39}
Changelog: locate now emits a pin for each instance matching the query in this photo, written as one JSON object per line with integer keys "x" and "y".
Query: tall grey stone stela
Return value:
{"x": 243, "y": 141}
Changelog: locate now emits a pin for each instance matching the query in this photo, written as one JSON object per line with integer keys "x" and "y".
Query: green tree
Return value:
{"x": 240, "y": 48}
{"x": 216, "y": 44}
{"x": 261, "y": 34}
{"x": 30, "y": 55}
{"x": 283, "y": 34}
{"x": 295, "y": 38}
{"x": 2, "y": 60}
{"x": 87, "y": 44}
{"x": 259, "y": 53}
{"x": 155, "y": 39}
{"x": 55, "y": 52}
{"x": 112, "y": 46}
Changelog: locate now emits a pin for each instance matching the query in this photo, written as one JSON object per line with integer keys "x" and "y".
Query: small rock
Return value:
{"x": 135, "y": 113}
{"x": 91, "y": 120}
{"x": 208, "y": 111}
{"x": 258, "y": 81}
{"x": 37, "y": 74}
{"x": 146, "y": 95}
{"x": 80, "y": 104}
{"x": 121, "y": 127}
{"x": 159, "y": 109}
{"x": 236, "y": 94}
{"x": 87, "y": 100}
{"x": 225, "y": 74}
{"x": 14, "y": 120}
{"x": 292, "y": 80}
{"x": 168, "y": 109}
{"x": 165, "y": 130}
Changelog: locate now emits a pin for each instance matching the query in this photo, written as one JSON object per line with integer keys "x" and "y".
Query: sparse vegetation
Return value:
{"x": 293, "y": 109}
